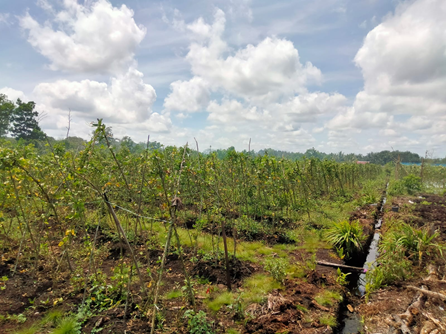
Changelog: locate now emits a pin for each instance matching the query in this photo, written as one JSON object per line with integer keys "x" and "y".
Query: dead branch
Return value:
{"x": 428, "y": 293}
{"x": 318, "y": 306}
{"x": 435, "y": 321}
{"x": 342, "y": 266}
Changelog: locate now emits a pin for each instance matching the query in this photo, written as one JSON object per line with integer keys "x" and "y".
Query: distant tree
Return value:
{"x": 128, "y": 143}
{"x": 109, "y": 133}
{"x": 6, "y": 110}
{"x": 74, "y": 143}
{"x": 24, "y": 122}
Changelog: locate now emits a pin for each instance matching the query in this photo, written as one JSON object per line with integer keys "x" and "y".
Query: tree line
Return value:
{"x": 20, "y": 120}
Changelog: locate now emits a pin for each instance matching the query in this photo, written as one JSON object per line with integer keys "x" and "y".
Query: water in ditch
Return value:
{"x": 351, "y": 321}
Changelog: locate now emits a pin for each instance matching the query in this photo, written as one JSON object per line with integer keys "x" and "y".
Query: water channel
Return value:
{"x": 351, "y": 321}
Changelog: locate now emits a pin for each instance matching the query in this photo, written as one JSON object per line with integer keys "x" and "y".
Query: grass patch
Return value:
{"x": 35, "y": 328}
{"x": 52, "y": 318}
{"x": 265, "y": 251}
{"x": 67, "y": 325}
{"x": 226, "y": 298}
{"x": 328, "y": 297}
{"x": 297, "y": 271}
{"x": 246, "y": 251}
{"x": 173, "y": 294}
{"x": 328, "y": 320}
{"x": 257, "y": 287}
{"x": 312, "y": 242}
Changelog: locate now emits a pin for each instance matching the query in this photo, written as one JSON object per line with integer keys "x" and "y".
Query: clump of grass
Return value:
{"x": 68, "y": 325}
{"x": 226, "y": 298}
{"x": 174, "y": 294}
{"x": 35, "y": 328}
{"x": 53, "y": 317}
{"x": 328, "y": 297}
{"x": 328, "y": 320}
{"x": 297, "y": 271}
{"x": 257, "y": 287}
{"x": 347, "y": 236}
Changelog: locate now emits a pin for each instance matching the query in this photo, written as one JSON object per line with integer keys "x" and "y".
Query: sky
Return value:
{"x": 337, "y": 75}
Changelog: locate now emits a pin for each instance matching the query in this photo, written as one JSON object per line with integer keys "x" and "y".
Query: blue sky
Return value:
{"x": 352, "y": 76}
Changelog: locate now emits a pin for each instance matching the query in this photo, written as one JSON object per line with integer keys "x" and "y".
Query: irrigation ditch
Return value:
{"x": 349, "y": 320}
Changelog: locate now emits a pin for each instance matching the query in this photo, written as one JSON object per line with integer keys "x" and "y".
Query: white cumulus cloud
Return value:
{"x": 403, "y": 62}
{"x": 262, "y": 72}
{"x": 91, "y": 99}
{"x": 86, "y": 38}
{"x": 192, "y": 95}
{"x": 13, "y": 94}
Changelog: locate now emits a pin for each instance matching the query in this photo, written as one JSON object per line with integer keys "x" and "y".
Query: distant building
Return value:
{"x": 362, "y": 162}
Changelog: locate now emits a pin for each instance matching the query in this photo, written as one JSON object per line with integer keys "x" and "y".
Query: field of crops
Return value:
{"x": 100, "y": 240}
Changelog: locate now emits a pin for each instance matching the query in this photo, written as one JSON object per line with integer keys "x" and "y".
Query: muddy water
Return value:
{"x": 351, "y": 322}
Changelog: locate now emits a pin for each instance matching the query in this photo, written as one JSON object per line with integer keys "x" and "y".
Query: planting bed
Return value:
{"x": 308, "y": 301}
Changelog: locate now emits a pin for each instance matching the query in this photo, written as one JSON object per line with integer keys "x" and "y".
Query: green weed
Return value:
{"x": 68, "y": 325}
{"x": 257, "y": 287}
{"x": 302, "y": 308}
{"x": 328, "y": 297}
{"x": 174, "y": 294}
{"x": 52, "y": 318}
{"x": 226, "y": 298}
{"x": 277, "y": 268}
{"x": 346, "y": 235}
{"x": 197, "y": 323}
{"x": 328, "y": 320}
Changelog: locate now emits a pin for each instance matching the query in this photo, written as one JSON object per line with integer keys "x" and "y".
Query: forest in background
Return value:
{"x": 19, "y": 123}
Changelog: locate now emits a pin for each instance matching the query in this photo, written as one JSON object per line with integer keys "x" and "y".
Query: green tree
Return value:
{"x": 6, "y": 110}
{"x": 24, "y": 122}
{"x": 128, "y": 143}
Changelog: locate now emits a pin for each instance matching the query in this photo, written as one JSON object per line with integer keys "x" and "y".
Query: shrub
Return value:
{"x": 248, "y": 227}
{"x": 346, "y": 235}
{"x": 277, "y": 268}
{"x": 412, "y": 184}
{"x": 197, "y": 323}
{"x": 396, "y": 188}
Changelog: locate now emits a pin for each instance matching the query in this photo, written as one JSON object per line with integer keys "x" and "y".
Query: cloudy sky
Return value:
{"x": 350, "y": 75}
